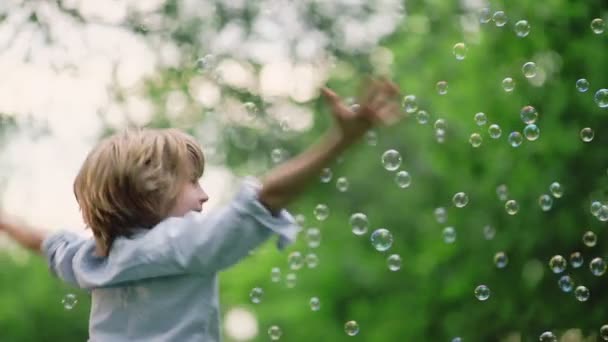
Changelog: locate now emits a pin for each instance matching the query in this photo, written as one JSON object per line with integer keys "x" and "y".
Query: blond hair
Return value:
{"x": 132, "y": 179}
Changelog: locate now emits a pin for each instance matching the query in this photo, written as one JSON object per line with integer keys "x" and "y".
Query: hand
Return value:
{"x": 378, "y": 105}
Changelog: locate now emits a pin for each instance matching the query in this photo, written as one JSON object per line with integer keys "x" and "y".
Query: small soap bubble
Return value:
{"x": 547, "y": 336}
{"x": 500, "y": 18}
{"x": 482, "y": 292}
{"x": 295, "y": 260}
{"x": 326, "y": 175}
{"x": 595, "y": 208}
{"x": 382, "y": 239}
{"x": 512, "y": 207}
{"x": 351, "y": 328}
{"x": 69, "y": 301}
{"x": 508, "y": 84}
{"x": 342, "y": 184}
{"x": 449, "y": 235}
{"x": 557, "y": 264}
{"x": 501, "y": 260}
{"x": 394, "y": 262}
{"x": 278, "y": 155}
{"x": 441, "y": 215}
{"x": 312, "y": 260}
{"x": 313, "y": 237}
{"x": 422, "y": 117}
{"x": 275, "y": 275}
{"x": 589, "y": 239}
{"x": 597, "y": 267}
{"x": 502, "y": 192}
{"x": 601, "y": 98}
{"x": 475, "y": 140}
{"x": 485, "y": 15}
{"x": 315, "y": 304}
{"x": 480, "y": 119}
{"x": 359, "y": 223}
{"x": 602, "y": 215}
{"x": 321, "y": 212}
{"x": 460, "y": 199}
{"x": 403, "y": 179}
{"x": 522, "y": 28}
{"x": 494, "y": 131}
{"x": 409, "y": 104}
{"x": 460, "y": 51}
{"x": 391, "y": 160}
{"x": 442, "y": 87}
{"x": 251, "y": 109}
{"x": 565, "y": 283}
{"x": 545, "y": 202}
{"x": 576, "y": 259}
{"x": 529, "y": 69}
{"x": 581, "y": 293}
{"x": 440, "y": 125}
{"x": 597, "y": 26}
{"x": 489, "y": 232}
{"x": 582, "y": 85}
{"x": 457, "y": 339}
{"x": 531, "y": 132}
{"x": 556, "y": 189}
{"x": 256, "y": 295}
{"x": 528, "y": 115}
{"x": 587, "y": 134}
{"x": 372, "y": 138}
{"x": 515, "y": 139}
{"x": 274, "y": 332}
{"x": 206, "y": 63}
{"x": 300, "y": 219}
{"x": 291, "y": 280}
{"x": 604, "y": 332}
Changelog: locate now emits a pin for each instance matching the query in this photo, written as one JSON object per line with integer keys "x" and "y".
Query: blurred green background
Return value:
{"x": 431, "y": 297}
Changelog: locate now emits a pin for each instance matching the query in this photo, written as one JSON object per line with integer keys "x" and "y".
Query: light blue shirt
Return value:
{"x": 161, "y": 284}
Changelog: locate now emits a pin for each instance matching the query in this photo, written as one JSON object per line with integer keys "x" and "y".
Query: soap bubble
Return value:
{"x": 581, "y": 293}
{"x": 557, "y": 264}
{"x": 403, "y": 179}
{"x": 597, "y": 267}
{"x": 494, "y": 131}
{"x": 274, "y": 332}
{"x": 449, "y": 234}
{"x": 582, "y": 85}
{"x": 556, "y": 190}
{"x": 587, "y": 134}
{"x": 502, "y": 192}
{"x": 351, "y": 328}
{"x": 482, "y": 292}
{"x": 576, "y": 259}
{"x": 422, "y": 117}
{"x": 251, "y": 109}
{"x": 601, "y": 98}
{"x": 372, "y": 138}
{"x": 501, "y": 260}
{"x": 342, "y": 184}
{"x": 295, "y": 260}
{"x": 394, "y": 262}
{"x": 359, "y": 223}
{"x": 528, "y": 115}
{"x": 442, "y": 87}
{"x": 547, "y": 336}
{"x": 545, "y": 202}
{"x": 326, "y": 175}
{"x": 602, "y": 214}
{"x": 312, "y": 260}
{"x": 460, "y": 199}
{"x": 321, "y": 212}
{"x": 315, "y": 304}
{"x": 278, "y": 155}
{"x": 597, "y": 26}
{"x": 480, "y": 119}
{"x": 313, "y": 236}
{"x": 290, "y": 280}
{"x": 589, "y": 239}
{"x": 595, "y": 208}
{"x": 531, "y": 132}
{"x": 489, "y": 232}
{"x": 409, "y": 103}
{"x": 475, "y": 140}
{"x": 604, "y": 332}
{"x": 69, "y": 301}
{"x": 256, "y": 295}
{"x": 529, "y": 69}
{"x": 522, "y": 28}
{"x": 460, "y": 51}
{"x": 440, "y": 136}
{"x": 382, "y": 239}
{"x": 485, "y": 15}
{"x": 515, "y": 139}
{"x": 500, "y": 18}
{"x": 508, "y": 84}
{"x": 441, "y": 215}
{"x": 206, "y": 63}
{"x": 565, "y": 283}
{"x": 512, "y": 207}
{"x": 275, "y": 274}
{"x": 440, "y": 125}
{"x": 391, "y": 160}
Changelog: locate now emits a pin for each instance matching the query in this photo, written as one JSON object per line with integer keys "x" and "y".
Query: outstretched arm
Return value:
{"x": 26, "y": 236}
{"x": 288, "y": 180}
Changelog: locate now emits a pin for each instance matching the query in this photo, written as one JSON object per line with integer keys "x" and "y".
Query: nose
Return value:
{"x": 203, "y": 197}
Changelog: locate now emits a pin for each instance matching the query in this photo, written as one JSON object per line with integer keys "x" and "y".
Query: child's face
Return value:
{"x": 190, "y": 198}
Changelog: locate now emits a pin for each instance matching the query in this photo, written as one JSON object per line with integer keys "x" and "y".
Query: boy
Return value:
{"x": 152, "y": 264}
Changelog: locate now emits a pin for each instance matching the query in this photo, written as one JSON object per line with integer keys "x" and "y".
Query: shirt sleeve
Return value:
{"x": 59, "y": 249}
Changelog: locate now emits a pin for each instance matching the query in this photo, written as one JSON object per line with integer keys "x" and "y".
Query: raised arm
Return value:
{"x": 26, "y": 236}
{"x": 287, "y": 181}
